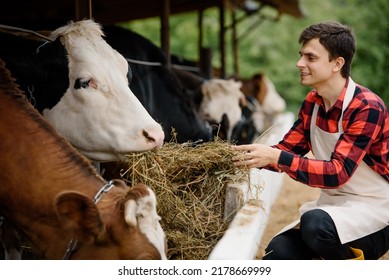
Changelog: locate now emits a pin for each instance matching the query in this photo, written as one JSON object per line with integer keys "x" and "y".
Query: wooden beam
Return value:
{"x": 83, "y": 9}
{"x": 235, "y": 43}
{"x": 222, "y": 40}
{"x": 205, "y": 54}
{"x": 165, "y": 30}
{"x": 200, "y": 21}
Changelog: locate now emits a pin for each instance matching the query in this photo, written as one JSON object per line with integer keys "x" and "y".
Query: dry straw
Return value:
{"x": 189, "y": 180}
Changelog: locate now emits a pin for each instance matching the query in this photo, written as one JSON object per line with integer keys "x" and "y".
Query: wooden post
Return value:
{"x": 83, "y": 9}
{"x": 201, "y": 32}
{"x": 235, "y": 43}
{"x": 206, "y": 62}
{"x": 222, "y": 41}
{"x": 165, "y": 31}
{"x": 205, "y": 53}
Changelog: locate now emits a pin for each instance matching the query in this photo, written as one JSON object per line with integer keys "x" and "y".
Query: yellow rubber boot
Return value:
{"x": 358, "y": 254}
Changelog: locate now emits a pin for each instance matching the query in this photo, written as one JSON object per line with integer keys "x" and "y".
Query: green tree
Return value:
{"x": 272, "y": 46}
{"x": 371, "y": 27}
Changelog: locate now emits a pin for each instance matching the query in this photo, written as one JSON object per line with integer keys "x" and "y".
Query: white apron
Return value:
{"x": 359, "y": 207}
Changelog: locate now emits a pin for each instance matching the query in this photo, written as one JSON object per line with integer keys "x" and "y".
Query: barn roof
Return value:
{"x": 33, "y": 13}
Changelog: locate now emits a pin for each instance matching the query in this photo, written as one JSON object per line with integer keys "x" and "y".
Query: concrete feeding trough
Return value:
{"x": 244, "y": 234}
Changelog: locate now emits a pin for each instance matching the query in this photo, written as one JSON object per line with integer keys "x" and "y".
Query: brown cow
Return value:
{"x": 264, "y": 91}
{"x": 55, "y": 198}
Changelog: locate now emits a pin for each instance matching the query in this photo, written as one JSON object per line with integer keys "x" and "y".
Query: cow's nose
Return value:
{"x": 154, "y": 135}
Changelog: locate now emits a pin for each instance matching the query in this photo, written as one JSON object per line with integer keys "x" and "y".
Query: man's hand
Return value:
{"x": 256, "y": 155}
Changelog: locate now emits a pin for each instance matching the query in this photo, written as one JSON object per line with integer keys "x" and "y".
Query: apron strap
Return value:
{"x": 347, "y": 99}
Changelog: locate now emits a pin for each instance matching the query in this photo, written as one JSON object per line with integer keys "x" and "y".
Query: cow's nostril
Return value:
{"x": 148, "y": 137}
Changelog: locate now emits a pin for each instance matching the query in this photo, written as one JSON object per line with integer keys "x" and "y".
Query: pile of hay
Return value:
{"x": 189, "y": 181}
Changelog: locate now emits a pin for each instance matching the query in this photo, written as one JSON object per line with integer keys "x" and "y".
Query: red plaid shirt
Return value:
{"x": 366, "y": 137}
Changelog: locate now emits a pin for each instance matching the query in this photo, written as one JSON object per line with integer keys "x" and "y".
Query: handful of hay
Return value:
{"x": 190, "y": 182}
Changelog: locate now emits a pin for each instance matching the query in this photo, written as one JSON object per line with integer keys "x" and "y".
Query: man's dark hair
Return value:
{"x": 337, "y": 39}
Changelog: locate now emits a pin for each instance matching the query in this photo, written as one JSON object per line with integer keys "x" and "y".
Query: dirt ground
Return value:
{"x": 285, "y": 210}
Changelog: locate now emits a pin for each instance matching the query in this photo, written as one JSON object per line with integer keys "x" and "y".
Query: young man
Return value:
{"x": 346, "y": 126}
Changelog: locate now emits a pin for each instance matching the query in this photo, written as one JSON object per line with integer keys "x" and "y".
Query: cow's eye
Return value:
{"x": 81, "y": 83}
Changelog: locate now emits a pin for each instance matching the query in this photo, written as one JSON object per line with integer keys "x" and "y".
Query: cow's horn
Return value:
{"x": 130, "y": 213}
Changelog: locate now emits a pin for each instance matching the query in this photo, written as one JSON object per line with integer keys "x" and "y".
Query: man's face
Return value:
{"x": 314, "y": 65}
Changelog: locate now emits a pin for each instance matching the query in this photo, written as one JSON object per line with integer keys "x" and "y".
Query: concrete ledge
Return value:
{"x": 248, "y": 204}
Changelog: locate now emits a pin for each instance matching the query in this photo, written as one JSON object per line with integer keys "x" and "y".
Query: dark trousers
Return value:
{"x": 317, "y": 238}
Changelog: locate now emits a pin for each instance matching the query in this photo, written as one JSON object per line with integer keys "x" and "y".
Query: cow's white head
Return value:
{"x": 222, "y": 97}
{"x": 98, "y": 113}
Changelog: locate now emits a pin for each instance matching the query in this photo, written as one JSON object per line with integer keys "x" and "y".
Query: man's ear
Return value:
{"x": 339, "y": 62}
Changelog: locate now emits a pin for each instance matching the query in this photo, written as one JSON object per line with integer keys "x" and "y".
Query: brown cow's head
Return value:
{"x": 121, "y": 226}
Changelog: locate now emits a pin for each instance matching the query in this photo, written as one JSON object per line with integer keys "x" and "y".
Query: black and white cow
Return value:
{"x": 80, "y": 84}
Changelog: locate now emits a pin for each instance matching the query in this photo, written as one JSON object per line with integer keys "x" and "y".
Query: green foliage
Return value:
{"x": 272, "y": 46}
{"x": 371, "y": 27}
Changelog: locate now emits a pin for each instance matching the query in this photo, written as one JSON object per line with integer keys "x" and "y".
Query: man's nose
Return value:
{"x": 299, "y": 63}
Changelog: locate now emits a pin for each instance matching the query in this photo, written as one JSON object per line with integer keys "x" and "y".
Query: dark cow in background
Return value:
{"x": 40, "y": 67}
{"x": 157, "y": 86}
{"x": 257, "y": 110}
{"x": 218, "y": 101}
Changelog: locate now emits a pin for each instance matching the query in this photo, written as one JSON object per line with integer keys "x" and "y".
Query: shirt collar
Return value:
{"x": 339, "y": 102}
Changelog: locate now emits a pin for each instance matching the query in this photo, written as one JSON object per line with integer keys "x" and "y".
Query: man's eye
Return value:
{"x": 81, "y": 83}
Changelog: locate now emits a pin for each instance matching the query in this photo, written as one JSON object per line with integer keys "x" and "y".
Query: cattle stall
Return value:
{"x": 43, "y": 14}
{"x": 36, "y": 14}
